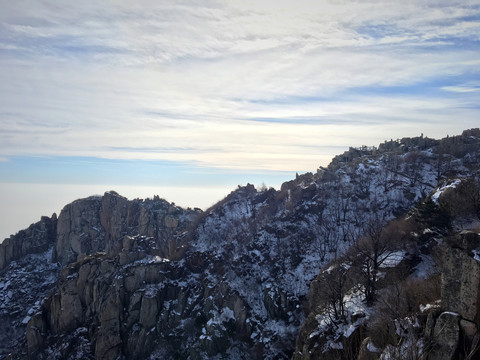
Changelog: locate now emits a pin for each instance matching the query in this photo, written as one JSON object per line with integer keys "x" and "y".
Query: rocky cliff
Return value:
{"x": 427, "y": 285}
{"x": 32, "y": 259}
{"x": 95, "y": 224}
{"x": 36, "y": 239}
{"x": 147, "y": 279}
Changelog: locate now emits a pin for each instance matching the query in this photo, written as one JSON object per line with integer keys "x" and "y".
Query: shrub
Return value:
{"x": 397, "y": 308}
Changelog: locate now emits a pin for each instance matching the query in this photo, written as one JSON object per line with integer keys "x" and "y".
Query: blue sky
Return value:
{"x": 219, "y": 93}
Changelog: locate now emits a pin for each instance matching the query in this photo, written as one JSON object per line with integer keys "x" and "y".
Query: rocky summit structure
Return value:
{"x": 332, "y": 265}
{"x": 99, "y": 225}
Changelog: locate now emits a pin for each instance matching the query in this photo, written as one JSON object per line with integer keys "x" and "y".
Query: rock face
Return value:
{"x": 86, "y": 226}
{"x": 131, "y": 309}
{"x": 96, "y": 224}
{"x": 446, "y": 336}
{"x": 460, "y": 296}
{"x": 36, "y": 239}
{"x": 26, "y": 276}
{"x": 461, "y": 277}
{"x": 79, "y": 230}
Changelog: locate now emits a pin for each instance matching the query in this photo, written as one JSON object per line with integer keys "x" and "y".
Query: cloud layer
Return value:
{"x": 271, "y": 85}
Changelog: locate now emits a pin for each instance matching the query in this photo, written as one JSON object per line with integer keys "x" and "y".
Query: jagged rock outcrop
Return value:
{"x": 82, "y": 228}
{"x": 134, "y": 308}
{"x": 95, "y": 224}
{"x": 35, "y": 239}
{"x": 79, "y": 230}
{"x": 26, "y": 276}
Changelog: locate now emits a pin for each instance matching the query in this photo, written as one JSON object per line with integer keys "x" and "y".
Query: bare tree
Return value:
{"x": 332, "y": 288}
{"x": 413, "y": 164}
{"x": 443, "y": 165}
{"x": 371, "y": 250}
{"x": 365, "y": 180}
{"x": 325, "y": 230}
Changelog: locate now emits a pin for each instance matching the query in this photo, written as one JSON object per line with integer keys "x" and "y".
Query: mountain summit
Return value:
{"x": 305, "y": 272}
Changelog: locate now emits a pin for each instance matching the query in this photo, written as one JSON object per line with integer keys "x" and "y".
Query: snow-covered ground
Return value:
{"x": 23, "y": 285}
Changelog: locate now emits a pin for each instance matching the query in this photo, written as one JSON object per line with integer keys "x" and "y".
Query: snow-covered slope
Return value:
{"x": 23, "y": 286}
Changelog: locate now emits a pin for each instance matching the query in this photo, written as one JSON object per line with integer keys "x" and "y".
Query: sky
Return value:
{"x": 188, "y": 99}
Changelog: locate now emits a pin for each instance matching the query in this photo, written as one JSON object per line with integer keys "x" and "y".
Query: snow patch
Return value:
{"x": 427, "y": 307}
{"x": 425, "y": 268}
{"x": 451, "y": 313}
{"x": 372, "y": 348}
{"x": 476, "y": 254}
{"x": 393, "y": 259}
{"x": 440, "y": 191}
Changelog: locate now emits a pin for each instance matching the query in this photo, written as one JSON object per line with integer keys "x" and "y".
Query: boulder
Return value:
{"x": 36, "y": 333}
{"x": 461, "y": 278}
{"x": 368, "y": 350}
{"x": 430, "y": 323}
{"x": 446, "y": 336}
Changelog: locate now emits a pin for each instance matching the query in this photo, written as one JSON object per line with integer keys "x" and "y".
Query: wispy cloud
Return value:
{"x": 239, "y": 85}
{"x": 463, "y": 88}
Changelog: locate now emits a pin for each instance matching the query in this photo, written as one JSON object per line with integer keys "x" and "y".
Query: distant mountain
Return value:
{"x": 263, "y": 274}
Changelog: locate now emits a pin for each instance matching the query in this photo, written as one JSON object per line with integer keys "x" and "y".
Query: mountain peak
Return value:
{"x": 148, "y": 279}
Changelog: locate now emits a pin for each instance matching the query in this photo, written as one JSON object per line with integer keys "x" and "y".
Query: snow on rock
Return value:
{"x": 372, "y": 348}
{"x": 26, "y": 282}
{"x": 427, "y": 307}
{"x": 476, "y": 254}
{"x": 393, "y": 259}
{"x": 441, "y": 190}
{"x": 425, "y": 268}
